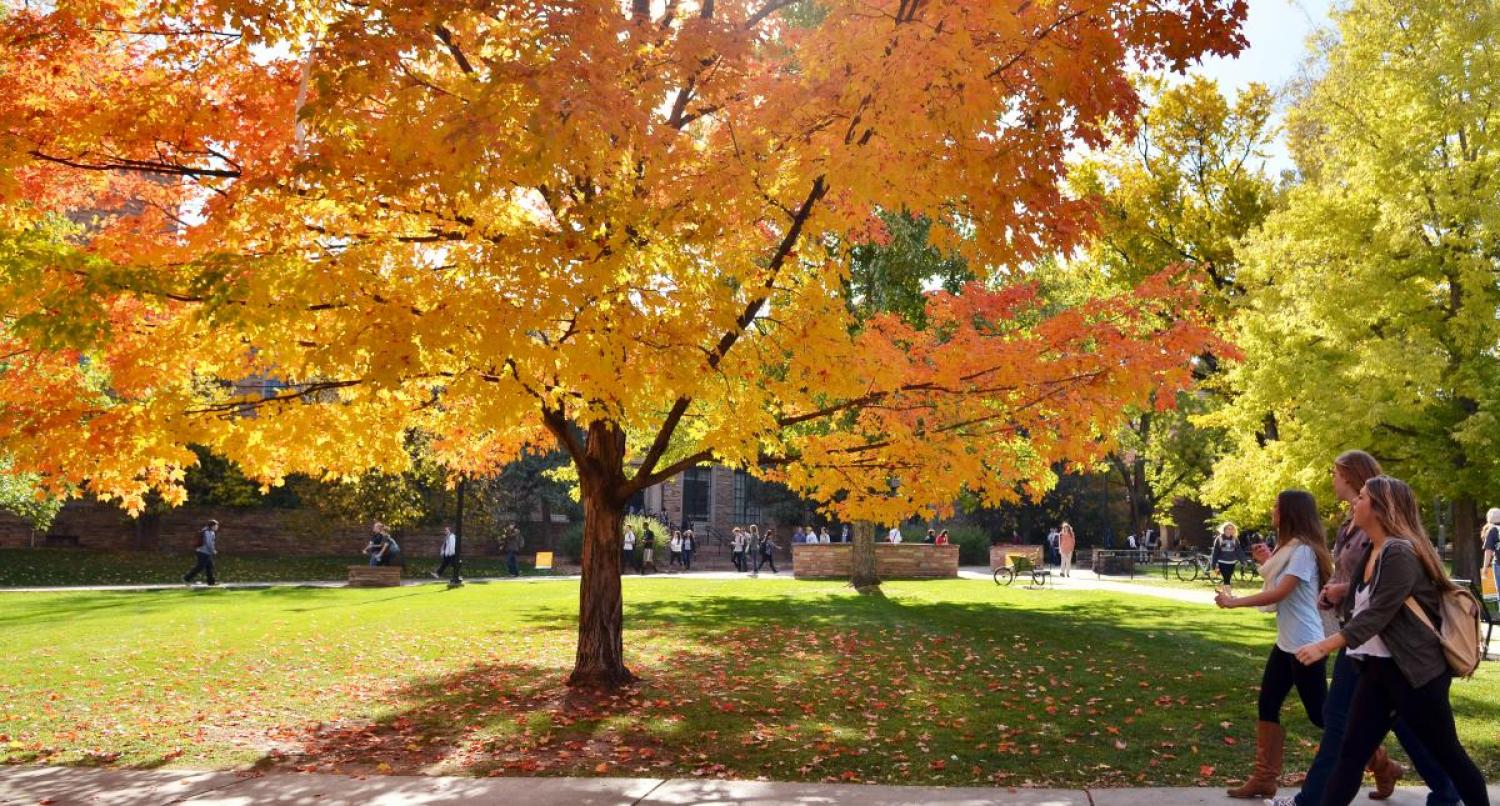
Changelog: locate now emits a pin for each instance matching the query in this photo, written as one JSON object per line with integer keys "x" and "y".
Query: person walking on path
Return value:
{"x": 513, "y": 545}
{"x": 648, "y": 551}
{"x": 448, "y": 553}
{"x": 1067, "y": 542}
{"x": 627, "y": 551}
{"x": 767, "y": 551}
{"x": 203, "y": 554}
{"x": 1350, "y": 472}
{"x": 1293, "y": 575}
{"x": 1226, "y": 555}
{"x": 752, "y": 550}
{"x": 674, "y": 550}
{"x": 689, "y": 545}
{"x": 1404, "y": 670}
{"x": 737, "y": 549}
{"x": 1490, "y": 538}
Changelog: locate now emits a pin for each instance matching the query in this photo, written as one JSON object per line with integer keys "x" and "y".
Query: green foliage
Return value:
{"x": 973, "y": 544}
{"x": 216, "y": 481}
{"x": 1185, "y": 190}
{"x": 20, "y": 495}
{"x": 1371, "y": 320}
{"x": 571, "y": 545}
{"x": 896, "y": 268}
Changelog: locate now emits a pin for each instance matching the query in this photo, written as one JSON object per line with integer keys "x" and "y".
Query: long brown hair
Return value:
{"x": 1357, "y": 467}
{"x": 1297, "y": 519}
{"x": 1394, "y": 504}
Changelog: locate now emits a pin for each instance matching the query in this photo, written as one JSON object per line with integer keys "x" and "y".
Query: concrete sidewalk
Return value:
{"x": 64, "y": 785}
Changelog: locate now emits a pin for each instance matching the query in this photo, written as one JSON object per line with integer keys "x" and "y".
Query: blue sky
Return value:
{"x": 1277, "y": 31}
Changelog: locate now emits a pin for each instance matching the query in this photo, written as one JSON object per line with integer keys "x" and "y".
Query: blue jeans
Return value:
{"x": 1336, "y": 720}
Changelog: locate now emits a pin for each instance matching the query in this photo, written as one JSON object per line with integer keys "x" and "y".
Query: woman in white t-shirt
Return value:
{"x": 627, "y": 559}
{"x": 1293, "y": 576}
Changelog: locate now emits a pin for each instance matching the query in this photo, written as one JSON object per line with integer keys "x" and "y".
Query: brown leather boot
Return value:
{"x": 1269, "y": 738}
{"x": 1387, "y": 773}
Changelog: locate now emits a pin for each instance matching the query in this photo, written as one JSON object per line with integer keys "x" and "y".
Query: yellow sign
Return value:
{"x": 1488, "y": 581}
{"x": 544, "y": 561}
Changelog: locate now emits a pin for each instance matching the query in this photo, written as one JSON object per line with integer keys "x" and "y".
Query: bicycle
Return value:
{"x": 1194, "y": 567}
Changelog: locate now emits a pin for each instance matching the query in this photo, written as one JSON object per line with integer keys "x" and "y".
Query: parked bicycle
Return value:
{"x": 1195, "y": 567}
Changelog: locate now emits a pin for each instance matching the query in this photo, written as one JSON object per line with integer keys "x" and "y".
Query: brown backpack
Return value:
{"x": 1460, "y": 631}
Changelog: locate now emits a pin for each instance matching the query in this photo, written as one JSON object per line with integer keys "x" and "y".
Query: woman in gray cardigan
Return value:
{"x": 1403, "y": 669}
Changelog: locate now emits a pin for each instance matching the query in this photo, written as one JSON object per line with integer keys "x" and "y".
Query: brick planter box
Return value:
{"x": 999, "y": 553}
{"x": 374, "y": 576}
{"x": 892, "y": 561}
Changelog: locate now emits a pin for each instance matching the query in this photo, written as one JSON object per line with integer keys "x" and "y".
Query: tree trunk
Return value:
{"x": 862, "y": 560}
{"x": 600, "y": 662}
{"x": 1465, "y": 539}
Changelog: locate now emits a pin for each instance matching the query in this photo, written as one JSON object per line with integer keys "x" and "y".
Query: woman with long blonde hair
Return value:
{"x": 1404, "y": 672}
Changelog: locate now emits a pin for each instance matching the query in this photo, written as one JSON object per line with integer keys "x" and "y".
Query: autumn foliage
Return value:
{"x": 519, "y": 224}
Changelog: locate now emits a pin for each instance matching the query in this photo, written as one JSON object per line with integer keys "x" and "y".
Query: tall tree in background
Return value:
{"x": 520, "y": 225}
{"x": 1370, "y": 320}
{"x": 1184, "y": 191}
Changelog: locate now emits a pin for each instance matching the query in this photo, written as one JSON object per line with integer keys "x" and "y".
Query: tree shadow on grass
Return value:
{"x": 839, "y": 688}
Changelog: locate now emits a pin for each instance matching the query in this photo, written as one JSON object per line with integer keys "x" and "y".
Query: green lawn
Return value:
{"x": 24, "y": 568}
{"x": 955, "y": 681}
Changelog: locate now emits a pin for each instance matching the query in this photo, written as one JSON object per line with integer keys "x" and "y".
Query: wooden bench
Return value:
{"x": 374, "y": 576}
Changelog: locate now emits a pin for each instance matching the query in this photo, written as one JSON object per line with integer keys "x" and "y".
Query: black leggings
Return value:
{"x": 1283, "y": 671}
{"x": 1226, "y": 570}
{"x": 1383, "y": 694}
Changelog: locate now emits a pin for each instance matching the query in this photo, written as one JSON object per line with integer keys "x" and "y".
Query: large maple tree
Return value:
{"x": 611, "y": 227}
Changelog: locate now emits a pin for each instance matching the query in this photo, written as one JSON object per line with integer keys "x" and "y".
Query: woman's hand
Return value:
{"x": 1334, "y": 592}
{"x": 1312, "y": 653}
{"x": 1224, "y": 600}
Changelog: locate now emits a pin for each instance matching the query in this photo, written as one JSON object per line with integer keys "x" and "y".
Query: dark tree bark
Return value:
{"x": 1466, "y": 523}
{"x": 862, "y": 574}
{"x": 600, "y": 662}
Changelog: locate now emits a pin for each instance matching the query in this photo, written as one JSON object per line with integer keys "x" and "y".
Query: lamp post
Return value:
{"x": 458, "y": 537}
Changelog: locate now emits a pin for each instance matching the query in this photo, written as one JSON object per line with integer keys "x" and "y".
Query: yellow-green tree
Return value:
{"x": 1183, "y": 191}
{"x": 1370, "y": 318}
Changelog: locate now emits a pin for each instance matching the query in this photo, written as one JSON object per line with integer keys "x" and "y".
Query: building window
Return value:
{"x": 745, "y": 508}
{"x": 695, "y": 494}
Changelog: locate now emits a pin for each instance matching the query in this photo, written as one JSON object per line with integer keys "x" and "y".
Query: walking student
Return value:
{"x": 1404, "y": 671}
{"x": 737, "y": 549}
{"x": 648, "y": 552}
{"x": 1350, "y": 472}
{"x": 767, "y": 551}
{"x": 1293, "y": 577}
{"x": 203, "y": 554}
{"x": 1226, "y": 553}
{"x": 674, "y": 548}
{"x": 1067, "y": 542}
{"x": 627, "y": 551}
{"x": 447, "y": 553}
{"x": 1490, "y": 538}
{"x": 689, "y": 545}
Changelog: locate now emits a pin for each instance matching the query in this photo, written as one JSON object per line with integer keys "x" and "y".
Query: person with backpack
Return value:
{"x": 204, "y": 549}
{"x": 1293, "y": 576}
{"x": 1351, "y": 469}
{"x": 1400, "y": 592}
{"x": 767, "y": 551}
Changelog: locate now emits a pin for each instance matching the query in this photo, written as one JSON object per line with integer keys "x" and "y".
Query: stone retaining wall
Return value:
{"x": 892, "y": 561}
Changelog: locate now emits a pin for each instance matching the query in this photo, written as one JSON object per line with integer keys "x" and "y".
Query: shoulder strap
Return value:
{"x": 1411, "y": 602}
